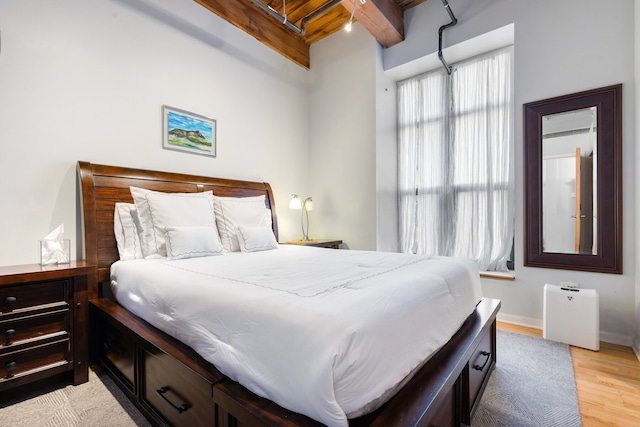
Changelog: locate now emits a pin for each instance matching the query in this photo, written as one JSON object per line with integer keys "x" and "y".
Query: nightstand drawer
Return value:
{"x": 178, "y": 394}
{"x": 26, "y": 328}
{"x": 36, "y": 358}
{"x": 29, "y": 295}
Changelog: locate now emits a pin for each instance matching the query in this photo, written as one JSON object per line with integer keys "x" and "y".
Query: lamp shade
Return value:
{"x": 295, "y": 202}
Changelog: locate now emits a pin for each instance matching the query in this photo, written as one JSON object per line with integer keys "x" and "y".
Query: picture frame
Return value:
{"x": 188, "y": 132}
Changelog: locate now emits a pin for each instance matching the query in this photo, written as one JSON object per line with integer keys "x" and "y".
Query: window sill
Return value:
{"x": 499, "y": 275}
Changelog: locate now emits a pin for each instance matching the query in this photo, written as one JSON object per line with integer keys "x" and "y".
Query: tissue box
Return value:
{"x": 55, "y": 252}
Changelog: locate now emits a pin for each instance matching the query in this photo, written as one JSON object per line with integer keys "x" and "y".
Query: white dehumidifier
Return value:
{"x": 571, "y": 316}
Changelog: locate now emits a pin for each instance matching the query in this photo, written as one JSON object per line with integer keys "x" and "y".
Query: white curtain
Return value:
{"x": 456, "y": 161}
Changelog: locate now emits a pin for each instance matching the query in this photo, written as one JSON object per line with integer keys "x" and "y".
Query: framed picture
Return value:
{"x": 189, "y": 132}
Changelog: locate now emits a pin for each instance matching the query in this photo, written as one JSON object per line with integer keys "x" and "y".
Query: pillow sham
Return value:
{"x": 233, "y": 212}
{"x": 126, "y": 231}
{"x": 192, "y": 242}
{"x": 157, "y": 210}
{"x": 253, "y": 239}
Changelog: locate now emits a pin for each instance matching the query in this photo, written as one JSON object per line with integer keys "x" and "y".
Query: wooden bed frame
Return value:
{"x": 173, "y": 385}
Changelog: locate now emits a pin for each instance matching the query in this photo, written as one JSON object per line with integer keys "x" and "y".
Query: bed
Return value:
{"x": 162, "y": 369}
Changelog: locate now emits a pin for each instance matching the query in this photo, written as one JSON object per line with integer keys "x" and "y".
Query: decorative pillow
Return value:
{"x": 157, "y": 210}
{"x": 233, "y": 212}
{"x": 126, "y": 231}
{"x": 192, "y": 242}
{"x": 253, "y": 239}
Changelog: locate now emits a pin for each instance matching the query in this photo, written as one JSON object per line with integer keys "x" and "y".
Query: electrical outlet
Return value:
{"x": 570, "y": 285}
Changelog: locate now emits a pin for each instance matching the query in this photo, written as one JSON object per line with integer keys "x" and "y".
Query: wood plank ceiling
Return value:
{"x": 308, "y": 21}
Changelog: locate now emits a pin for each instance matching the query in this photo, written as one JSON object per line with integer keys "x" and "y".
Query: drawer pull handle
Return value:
{"x": 11, "y": 366}
{"x": 10, "y": 301}
{"x": 8, "y": 334}
{"x": 162, "y": 390}
{"x": 488, "y": 356}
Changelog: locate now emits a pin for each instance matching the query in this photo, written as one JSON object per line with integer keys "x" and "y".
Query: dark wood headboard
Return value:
{"x": 102, "y": 186}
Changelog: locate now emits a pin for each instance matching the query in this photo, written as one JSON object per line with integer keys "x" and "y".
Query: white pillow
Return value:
{"x": 253, "y": 239}
{"x": 192, "y": 242}
{"x": 157, "y": 210}
{"x": 233, "y": 212}
{"x": 126, "y": 231}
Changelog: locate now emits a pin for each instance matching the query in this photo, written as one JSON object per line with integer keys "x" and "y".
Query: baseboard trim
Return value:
{"x": 616, "y": 339}
{"x": 608, "y": 337}
{"x": 636, "y": 349}
{"x": 528, "y": 322}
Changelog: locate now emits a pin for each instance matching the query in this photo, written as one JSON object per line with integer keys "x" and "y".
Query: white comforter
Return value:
{"x": 321, "y": 332}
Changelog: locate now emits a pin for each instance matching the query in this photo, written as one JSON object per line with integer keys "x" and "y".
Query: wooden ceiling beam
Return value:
{"x": 255, "y": 22}
{"x": 384, "y": 19}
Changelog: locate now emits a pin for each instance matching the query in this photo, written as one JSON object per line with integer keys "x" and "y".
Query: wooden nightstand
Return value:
{"x": 319, "y": 243}
{"x": 44, "y": 320}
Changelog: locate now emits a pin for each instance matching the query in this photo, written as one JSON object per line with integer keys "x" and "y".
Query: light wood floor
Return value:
{"x": 608, "y": 382}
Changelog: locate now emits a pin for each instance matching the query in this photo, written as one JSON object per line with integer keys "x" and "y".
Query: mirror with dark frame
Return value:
{"x": 573, "y": 181}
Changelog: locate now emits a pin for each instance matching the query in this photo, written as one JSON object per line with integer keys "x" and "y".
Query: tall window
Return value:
{"x": 456, "y": 161}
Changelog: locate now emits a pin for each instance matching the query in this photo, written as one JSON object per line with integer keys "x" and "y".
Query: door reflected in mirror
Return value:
{"x": 569, "y": 182}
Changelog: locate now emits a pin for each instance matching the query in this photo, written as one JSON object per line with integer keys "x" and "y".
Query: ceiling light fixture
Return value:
{"x": 349, "y": 25}
{"x": 284, "y": 12}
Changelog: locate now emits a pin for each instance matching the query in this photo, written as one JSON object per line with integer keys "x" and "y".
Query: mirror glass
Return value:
{"x": 573, "y": 181}
{"x": 569, "y": 182}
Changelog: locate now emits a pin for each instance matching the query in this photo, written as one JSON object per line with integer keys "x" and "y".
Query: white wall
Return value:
{"x": 560, "y": 48}
{"x": 353, "y": 144}
{"x": 86, "y": 80}
{"x": 342, "y": 138}
{"x": 386, "y": 160}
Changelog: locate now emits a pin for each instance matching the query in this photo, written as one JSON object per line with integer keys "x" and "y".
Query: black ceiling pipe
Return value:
{"x": 453, "y": 22}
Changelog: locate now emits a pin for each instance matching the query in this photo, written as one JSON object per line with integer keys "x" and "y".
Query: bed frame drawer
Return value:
{"x": 480, "y": 364}
{"x": 116, "y": 348}
{"x": 445, "y": 416}
{"x": 176, "y": 393}
{"x": 477, "y": 372}
{"x": 238, "y": 407}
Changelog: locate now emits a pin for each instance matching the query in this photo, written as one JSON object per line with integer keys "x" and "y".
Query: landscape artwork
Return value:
{"x": 189, "y": 132}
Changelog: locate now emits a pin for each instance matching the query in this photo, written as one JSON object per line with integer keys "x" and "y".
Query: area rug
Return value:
{"x": 98, "y": 402}
{"x": 533, "y": 385}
